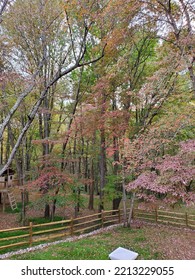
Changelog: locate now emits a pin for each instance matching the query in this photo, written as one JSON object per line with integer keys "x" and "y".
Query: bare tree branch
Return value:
{"x": 18, "y": 102}
{"x": 35, "y": 108}
{"x": 71, "y": 35}
{"x": 3, "y": 5}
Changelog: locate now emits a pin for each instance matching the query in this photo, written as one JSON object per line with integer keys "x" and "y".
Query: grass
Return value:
{"x": 19, "y": 238}
{"x": 97, "y": 247}
{"x": 17, "y": 210}
{"x": 17, "y": 233}
{"x": 42, "y": 220}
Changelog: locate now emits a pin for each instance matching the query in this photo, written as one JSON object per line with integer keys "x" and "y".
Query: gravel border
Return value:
{"x": 69, "y": 239}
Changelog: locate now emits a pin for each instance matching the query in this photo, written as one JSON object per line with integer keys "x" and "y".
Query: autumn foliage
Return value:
{"x": 100, "y": 95}
{"x": 169, "y": 177}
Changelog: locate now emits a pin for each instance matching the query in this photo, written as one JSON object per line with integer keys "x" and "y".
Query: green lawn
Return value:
{"x": 97, "y": 247}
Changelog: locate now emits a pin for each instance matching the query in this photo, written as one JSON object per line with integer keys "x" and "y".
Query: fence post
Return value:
{"x": 71, "y": 227}
{"x": 119, "y": 216}
{"x": 30, "y": 234}
{"x": 186, "y": 215}
{"x": 156, "y": 215}
{"x": 102, "y": 216}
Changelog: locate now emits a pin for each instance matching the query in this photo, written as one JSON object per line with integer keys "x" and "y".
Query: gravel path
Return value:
{"x": 70, "y": 239}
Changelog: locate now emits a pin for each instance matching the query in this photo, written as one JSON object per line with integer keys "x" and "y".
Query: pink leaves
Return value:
{"x": 172, "y": 176}
{"x": 188, "y": 146}
{"x": 110, "y": 151}
{"x": 145, "y": 180}
{"x": 50, "y": 177}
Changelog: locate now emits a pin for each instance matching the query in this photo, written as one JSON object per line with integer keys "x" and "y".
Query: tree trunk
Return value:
{"x": 192, "y": 77}
{"x": 116, "y": 203}
{"x": 2, "y": 144}
{"x": 93, "y": 178}
{"x": 47, "y": 211}
{"x": 119, "y": 188}
{"x": 102, "y": 154}
{"x": 91, "y": 188}
{"x": 86, "y": 167}
{"x": 53, "y": 209}
{"x": 131, "y": 209}
{"x": 124, "y": 199}
{"x": 77, "y": 206}
{"x": 102, "y": 169}
{"x": 24, "y": 198}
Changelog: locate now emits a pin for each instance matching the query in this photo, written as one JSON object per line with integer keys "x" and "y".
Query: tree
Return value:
{"x": 169, "y": 177}
{"x": 176, "y": 19}
{"x": 95, "y": 91}
{"x": 3, "y": 6}
{"x": 50, "y": 182}
{"x": 72, "y": 56}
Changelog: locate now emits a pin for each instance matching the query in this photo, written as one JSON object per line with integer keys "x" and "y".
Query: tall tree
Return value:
{"x": 3, "y": 5}
{"x": 174, "y": 21}
{"x": 72, "y": 54}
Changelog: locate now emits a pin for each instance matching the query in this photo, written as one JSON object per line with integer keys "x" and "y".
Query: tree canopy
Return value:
{"x": 98, "y": 96}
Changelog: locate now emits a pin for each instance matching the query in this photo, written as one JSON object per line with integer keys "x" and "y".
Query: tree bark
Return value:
{"x": 131, "y": 209}
{"x": 91, "y": 187}
{"x": 124, "y": 200}
{"x": 19, "y": 101}
{"x": 4, "y": 4}
{"x": 102, "y": 156}
{"x": 47, "y": 211}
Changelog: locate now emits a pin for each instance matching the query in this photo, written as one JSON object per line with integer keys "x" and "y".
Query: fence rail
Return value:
{"x": 166, "y": 217}
{"x": 36, "y": 233}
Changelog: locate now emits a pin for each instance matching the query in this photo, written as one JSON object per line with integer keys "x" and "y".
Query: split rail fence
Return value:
{"x": 166, "y": 217}
{"x": 38, "y": 233}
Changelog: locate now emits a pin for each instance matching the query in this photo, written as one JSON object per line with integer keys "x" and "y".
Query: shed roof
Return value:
{"x": 9, "y": 170}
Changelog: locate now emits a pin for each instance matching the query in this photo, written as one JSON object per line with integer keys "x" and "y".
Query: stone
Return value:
{"x": 123, "y": 254}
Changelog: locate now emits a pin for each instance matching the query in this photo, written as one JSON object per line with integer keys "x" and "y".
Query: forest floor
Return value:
{"x": 12, "y": 220}
{"x": 8, "y": 220}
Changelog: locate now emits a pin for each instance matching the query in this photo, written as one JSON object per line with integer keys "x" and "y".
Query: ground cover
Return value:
{"x": 150, "y": 241}
{"x": 175, "y": 244}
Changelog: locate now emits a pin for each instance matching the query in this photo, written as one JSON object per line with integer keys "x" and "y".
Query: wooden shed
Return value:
{"x": 6, "y": 181}
{"x": 6, "y": 178}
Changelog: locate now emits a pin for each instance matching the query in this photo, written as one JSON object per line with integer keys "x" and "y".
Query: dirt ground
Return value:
{"x": 8, "y": 220}
{"x": 12, "y": 220}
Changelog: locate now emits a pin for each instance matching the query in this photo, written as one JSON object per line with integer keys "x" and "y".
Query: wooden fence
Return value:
{"x": 38, "y": 233}
{"x": 166, "y": 217}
